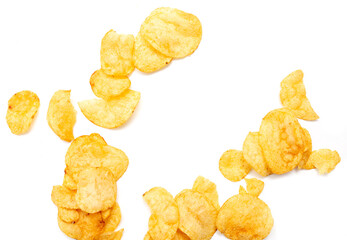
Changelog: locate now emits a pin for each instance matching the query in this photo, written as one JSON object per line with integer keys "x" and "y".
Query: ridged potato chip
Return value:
{"x": 172, "y": 32}
{"x": 254, "y": 186}
{"x": 325, "y": 160}
{"x": 64, "y": 197}
{"x": 22, "y": 108}
{"x": 293, "y": 96}
{"x": 61, "y": 115}
{"x": 117, "y": 53}
{"x": 111, "y": 235}
{"x": 69, "y": 182}
{"x": 107, "y": 86}
{"x": 208, "y": 188}
{"x": 112, "y": 113}
{"x": 307, "y": 152}
{"x": 113, "y": 220}
{"x": 68, "y": 215}
{"x": 233, "y": 166}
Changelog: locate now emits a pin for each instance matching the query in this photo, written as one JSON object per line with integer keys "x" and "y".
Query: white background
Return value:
{"x": 189, "y": 113}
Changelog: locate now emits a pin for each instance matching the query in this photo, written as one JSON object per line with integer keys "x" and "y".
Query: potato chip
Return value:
{"x": 293, "y": 96}
{"x": 107, "y": 86}
{"x": 117, "y": 54}
{"x": 180, "y": 236}
{"x": 106, "y": 213}
{"x": 72, "y": 230}
{"x": 307, "y": 151}
{"x": 64, "y": 197}
{"x": 254, "y": 186}
{"x": 233, "y": 166}
{"x": 208, "y": 188}
{"x": 253, "y": 154}
{"x": 111, "y": 235}
{"x": 163, "y": 223}
{"x": 91, "y": 224}
{"x": 281, "y": 138}
{"x": 325, "y": 160}
{"x": 68, "y": 215}
{"x": 147, "y": 59}
{"x": 22, "y": 108}
{"x": 197, "y": 215}
{"x": 112, "y": 222}
{"x": 69, "y": 182}
{"x": 147, "y": 236}
{"x": 172, "y": 32}
{"x": 112, "y": 113}
{"x": 242, "y": 190}
{"x": 244, "y": 216}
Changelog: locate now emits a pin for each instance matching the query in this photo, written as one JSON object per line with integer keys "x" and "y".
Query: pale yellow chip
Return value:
{"x": 197, "y": 215}
{"x": 180, "y": 236}
{"x": 61, "y": 115}
{"x": 293, "y": 96}
{"x": 244, "y": 216}
{"x": 111, "y": 235}
{"x": 113, "y": 113}
{"x": 69, "y": 182}
{"x": 242, "y": 190}
{"x": 68, "y": 215}
{"x": 172, "y": 32}
{"x": 108, "y": 86}
{"x": 147, "y": 59}
{"x": 253, "y": 154}
{"x": 208, "y": 188}
{"x": 307, "y": 152}
{"x": 254, "y": 186}
{"x": 325, "y": 160}
{"x": 22, "y": 108}
{"x": 163, "y": 223}
{"x": 113, "y": 220}
{"x": 233, "y": 166}
{"x": 64, "y": 197}
{"x": 117, "y": 53}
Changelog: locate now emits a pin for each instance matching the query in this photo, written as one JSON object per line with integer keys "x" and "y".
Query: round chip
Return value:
{"x": 254, "y": 186}
{"x": 208, "y": 188}
{"x": 233, "y": 165}
{"x": 68, "y": 215}
{"x": 64, "y": 197}
{"x": 113, "y": 220}
{"x": 325, "y": 160}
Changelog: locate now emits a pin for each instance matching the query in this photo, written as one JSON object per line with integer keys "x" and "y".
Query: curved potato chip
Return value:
{"x": 244, "y": 216}
{"x": 61, "y": 115}
{"x": 253, "y": 154}
{"x": 68, "y": 215}
{"x": 91, "y": 224}
{"x": 147, "y": 59}
{"x": 69, "y": 182}
{"x": 96, "y": 190}
{"x": 112, "y": 222}
{"x": 325, "y": 160}
{"x": 111, "y": 235}
{"x": 172, "y": 32}
{"x": 147, "y": 236}
{"x": 307, "y": 151}
{"x": 233, "y": 166}
{"x": 180, "y": 236}
{"x": 117, "y": 53}
{"x": 281, "y": 138}
{"x": 293, "y": 96}
{"x": 208, "y": 188}
{"x": 254, "y": 186}
{"x": 197, "y": 215}
{"x": 107, "y": 86}
{"x": 242, "y": 190}
{"x": 22, "y": 108}
{"x": 64, "y": 197}
{"x": 106, "y": 213}
{"x": 72, "y": 230}
{"x": 163, "y": 223}
{"x": 112, "y": 113}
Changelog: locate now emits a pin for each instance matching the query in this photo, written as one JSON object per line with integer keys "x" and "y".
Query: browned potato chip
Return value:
{"x": 117, "y": 53}
{"x": 69, "y": 182}
{"x": 61, "y": 115}
{"x": 64, "y": 197}
{"x": 72, "y": 230}
{"x": 22, "y": 108}
{"x": 242, "y": 190}
{"x": 91, "y": 224}
{"x": 68, "y": 215}
{"x": 293, "y": 96}
{"x": 254, "y": 186}
{"x": 172, "y": 32}
{"x": 233, "y": 166}
{"x": 111, "y": 235}
{"x": 113, "y": 220}
{"x": 307, "y": 152}
{"x": 325, "y": 160}
{"x": 112, "y": 113}
{"x": 208, "y": 188}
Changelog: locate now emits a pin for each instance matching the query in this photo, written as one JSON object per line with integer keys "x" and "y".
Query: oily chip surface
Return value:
{"x": 325, "y": 160}
{"x": 64, "y": 197}
{"x": 111, "y": 235}
{"x": 208, "y": 188}
{"x": 172, "y": 32}
{"x": 254, "y": 186}
{"x": 113, "y": 220}
{"x": 22, "y": 108}
{"x": 233, "y": 166}
{"x": 68, "y": 215}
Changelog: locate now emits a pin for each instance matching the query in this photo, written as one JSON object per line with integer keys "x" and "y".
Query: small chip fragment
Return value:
{"x": 68, "y": 215}
{"x": 113, "y": 220}
{"x": 233, "y": 166}
{"x": 111, "y": 235}
{"x": 242, "y": 190}
{"x": 254, "y": 186}
{"x": 64, "y": 197}
{"x": 208, "y": 188}
{"x": 325, "y": 160}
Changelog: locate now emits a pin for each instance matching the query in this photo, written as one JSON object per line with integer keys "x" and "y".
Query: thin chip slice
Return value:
{"x": 22, "y": 108}
{"x": 72, "y": 230}
{"x": 112, "y": 222}
{"x": 242, "y": 190}
{"x": 325, "y": 160}
{"x": 208, "y": 188}
{"x": 254, "y": 186}
{"x": 61, "y": 115}
{"x": 111, "y": 235}
{"x": 180, "y": 236}
{"x": 69, "y": 182}
{"x": 307, "y": 152}
{"x": 117, "y": 54}
{"x": 293, "y": 96}
{"x": 233, "y": 166}
{"x": 64, "y": 197}
{"x": 113, "y": 113}
{"x": 68, "y": 215}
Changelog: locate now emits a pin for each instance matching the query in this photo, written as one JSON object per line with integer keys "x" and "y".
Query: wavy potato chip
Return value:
{"x": 112, "y": 113}
{"x": 22, "y": 108}
{"x": 69, "y": 182}
{"x": 325, "y": 160}
{"x": 61, "y": 115}
{"x": 293, "y": 96}
{"x": 208, "y": 188}
{"x": 111, "y": 235}
{"x": 233, "y": 166}
{"x": 117, "y": 53}
{"x": 113, "y": 220}
{"x": 68, "y": 215}
{"x": 64, "y": 197}
{"x": 172, "y": 32}
{"x": 307, "y": 152}
{"x": 254, "y": 186}
{"x": 72, "y": 230}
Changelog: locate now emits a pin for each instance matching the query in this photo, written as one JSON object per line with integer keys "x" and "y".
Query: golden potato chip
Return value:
{"x": 147, "y": 236}
{"x": 281, "y": 138}
{"x": 208, "y": 188}
{"x": 69, "y": 182}
{"x": 117, "y": 54}
{"x": 111, "y": 235}
{"x": 307, "y": 152}
{"x": 180, "y": 236}
{"x": 106, "y": 213}
{"x": 112, "y": 222}
{"x": 197, "y": 215}
{"x": 325, "y": 160}
{"x": 172, "y": 32}
{"x": 242, "y": 190}
{"x": 163, "y": 223}
{"x": 254, "y": 186}
{"x": 112, "y": 113}
{"x": 22, "y": 108}
{"x": 108, "y": 86}
{"x": 244, "y": 216}
{"x": 68, "y": 215}
{"x": 72, "y": 230}
{"x": 91, "y": 224}
{"x": 233, "y": 166}
{"x": 64, "y": 197}
{"x": 147, "y": 59}
{"x": 61, "y": 115}
{"x": 293, "y": 96}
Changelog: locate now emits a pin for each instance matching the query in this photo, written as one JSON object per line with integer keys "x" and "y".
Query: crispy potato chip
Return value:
{"x": 117, "y": 53}
{"x": 68, "y": 215}
{"x": 208, "y": 188}
{"x": 22, "y": 108}
{"x": 325, "y": 160}
{"x": 307, "y": 151}
{"x": 163, "y": 223}
{"x": 242, "y": 190}
{"x": 172, "y": 32}
{"x": 112, "y": 113}
{"x": 106, "y": 213}
{"x": 180, "y": 236}
{"x": 61, "y": 115}
{"x": 147, "y": 59}
{"x": 72, "y": 230}
{"x": 233, "y": 166}
{"x": 91, "y": 224}
{"x": 111, "y": 235}
{"x": 108, "y": 86}
{"x": 293, "y": 96}
{"x": 112, "y": 222}
{"x": 282, "y": 140}
{"x": 69, "y": 182}
{"x": 197, "y": 215}
{"x": 64, "y": 197}
{"x": 254, "y": 186}
{"x": 147, "y": 236}
{"x": 244, "y": 216}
